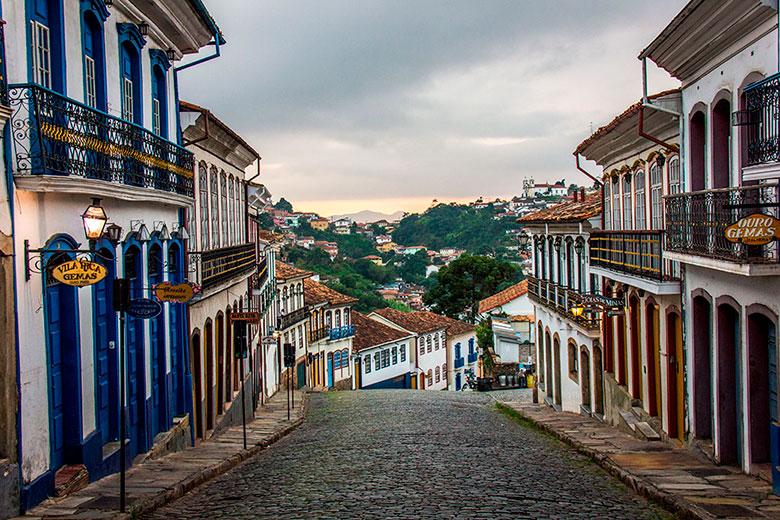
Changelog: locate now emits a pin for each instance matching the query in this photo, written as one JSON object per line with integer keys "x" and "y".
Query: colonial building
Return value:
{"x": 330, "y": 336}
{"x": 643, "y": 359}
{"x": 725, "y": 53}
{"x": 221, "y": 262}
{"x": 264, "y": 288}
{"x": 292, "y": 321}
{"x": 92, "y": 89}
{"x": 382, "y": 355}
{"x": 462, "y": 349}
{"x": 569, "y": 355}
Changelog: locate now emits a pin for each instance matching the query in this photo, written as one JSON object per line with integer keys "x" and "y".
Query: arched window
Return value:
{"x": 428, "y": 343}
{"x": 674, "y": 176}
{"x": 94, "y": 59}
{"x": 232, "y": 207}
{"x": 430, "y": 376}
{"x": 471, "y": 345}
{"x": 377, "y": 361}
{"x": 457, "y": 351}
{"x": 300, "y": 296}
{"x": 367, "y": 363}
{"x": 569, "y": 263}
{"x": 223, "y": 197}
{"x": 345, "y": 358}
{"x": 444, "y": 370}
{"x": 337, "y": 359}
{"x": 338, "y": 318}
{"x": 615, "y": 203}
{"x": 394, "y": 355}
{"x": 438, "y": 374}
{"x": 721, "y": 141}
{"x": 47, "y": 53}
{"x": 240, "y": 199}
{"x": 639, "y": 197}
{"x": 628, "y": 220}
{"x": 573, "y": 368}
{"x": 435, "y": 342}
{"x": 159, "y": 102}
{"x": 346, "y": 316}
{"x": 203, "y": 187}
{"x": 214, "y": 209}
{"x": 329, "y": 319}
{"x": 697, "y": 150}
{"x": 284, "y": 300}
{"x": 656, "y": 196}
{"x": 403, "y": 353}
{"x": 422, "y": 346}
{"x": 607, "y": 202}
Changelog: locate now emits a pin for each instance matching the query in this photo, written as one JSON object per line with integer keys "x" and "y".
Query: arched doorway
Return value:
{"x": 159, "y": 415}
{"x": 697, "y": 150}
{"x": 220, "y": 329}
{"x": 549, "y": 366}
{"x": 702, "y": 366}
{"x": 540, "y": 359}
{"x": 196, "y": 369}
{"x": 107, "y": 362}
{"x": 762, "y": 381}
{"x": 177, "y": 334}
{"x": 674, "y": 375}
{"x": 622, "y": 352}
{"x": 585, "y": 378}
{"x": 136, "y": 373}
{"x": 64, "y": 363}
{"x": 208, "y": 332}
{"x": 728, "y": 445}
{"x": 609, "y": 338}
{"x": 557, "y": 369}
{"x": 598, "y": 381}
{"x": 636, "y": 361}
{"x": 721, "y": 144}
{"x": 230, "y": 365}
{"x": 653, "y": 359}
{"x": 330, "y": 369}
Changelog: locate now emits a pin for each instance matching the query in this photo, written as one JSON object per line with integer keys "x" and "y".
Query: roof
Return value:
{"x": 454, "y": 327}
{"x": 192, "y": 107}
{"x": 269, "y": 236}
{"x": 572, "y": 211}
{"x": 523, "y": 317}
{"x": 503, "y": 297}
{"x": 315, "y": 292}
{"x": 288, "y": 272}
{"x": 369, "y": 333}
{"x": 410, "y": 321}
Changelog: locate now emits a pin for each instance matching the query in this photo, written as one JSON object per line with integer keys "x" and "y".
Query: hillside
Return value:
{"x": 368, "y": 216}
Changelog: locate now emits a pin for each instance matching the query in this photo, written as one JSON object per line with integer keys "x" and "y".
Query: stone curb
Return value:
{"x": 149, "y": 504}
{"x": 683, "y": 508}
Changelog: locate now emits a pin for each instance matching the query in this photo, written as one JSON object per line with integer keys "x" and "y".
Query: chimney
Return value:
{"x": 582, "y": 194}
{"x": 576, "y": 192}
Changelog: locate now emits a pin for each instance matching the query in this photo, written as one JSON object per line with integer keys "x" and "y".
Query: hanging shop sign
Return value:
{"x": 144, "y": 308}
{"x": 253, "y": 317}
{"x": 79, "y": 273}
{"x": 754, "y": 230}
{"x": 180, "y": 293}
{"x": 269, "y": 340}
{"x": 595, "y": 303}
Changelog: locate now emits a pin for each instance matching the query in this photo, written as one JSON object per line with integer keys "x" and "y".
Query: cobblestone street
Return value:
{"x": 412, "y": 454}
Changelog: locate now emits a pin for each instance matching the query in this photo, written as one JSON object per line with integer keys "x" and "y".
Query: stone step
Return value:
{"x": 646, "y": 432}
{"x": 638, "y": 412}
{"x": 630, "y": 419}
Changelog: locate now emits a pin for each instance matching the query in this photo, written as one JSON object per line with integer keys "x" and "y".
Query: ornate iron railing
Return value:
{"x": 761, "y": 119}
{"x": 318, "y": 334}
{"x": 290, "y": 319}
{"x": 262, "y": 273}
{"x": 217, "y": 266}
{"x": 472, "y": 358}
{"x": 696, "y": 222}
{"x": 342, "y": 332}
{"x": 55, "y": 135}
{"x": 638, "y": 253}
{"x": 459, "y": 362}
{"x": 561, "y": 300}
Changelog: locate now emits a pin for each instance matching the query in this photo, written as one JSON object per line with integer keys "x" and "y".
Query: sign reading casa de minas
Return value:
{"x": 79, "y": 273}
{"x": 754, "y": 230}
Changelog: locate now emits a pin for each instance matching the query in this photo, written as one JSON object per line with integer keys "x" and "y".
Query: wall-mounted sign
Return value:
{"x": 79, "y": 273}
{"x": 754, "y": 230}
{"x": 181, "y": 293}
{"x": 269, "y": 340}
{"x": 144, "y": 308}
{"x": 253, "y": 317}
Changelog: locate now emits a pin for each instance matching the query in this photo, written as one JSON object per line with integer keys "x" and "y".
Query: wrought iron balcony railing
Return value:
{"x": 342, "y": 332}
{"x": 696, "y": 222}
{"x": 55, "y": 135}
{"x": 262, "y": 273}
{"x": 459, "y": 362}
{"x": 760, "y": 120}
{"x": 318, "y": 334}
{"x": 217, "y": 266}
{"x": 561, "y": 300}
{"x": 472, "y": 358}
{"x": 290, "y": 319}
{"x": 637, "y": 253}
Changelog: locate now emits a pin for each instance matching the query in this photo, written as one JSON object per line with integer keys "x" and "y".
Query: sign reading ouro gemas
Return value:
{"x": 79, "y": 273}
{"x": 754, "y": 230}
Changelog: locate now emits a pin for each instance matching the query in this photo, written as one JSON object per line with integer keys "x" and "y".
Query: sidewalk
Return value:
{"x": 154, "y": 483}
{"x": 678, "y": 479}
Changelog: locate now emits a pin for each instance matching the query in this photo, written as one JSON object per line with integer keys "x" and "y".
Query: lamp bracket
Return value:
{"x": 35, "y": 260}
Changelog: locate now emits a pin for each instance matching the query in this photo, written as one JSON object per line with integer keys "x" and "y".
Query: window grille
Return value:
{"x": 656, "y": 199}
{"x": 223, "y": 193}
{"x": 403, "y": 353}
{"x": 156, "y": 126}
{"x": 639, "y": 196}
{"x": 377, "y": 361}
{"x": 674, "y": 176}
{"x": 395, "y": 355}
{"x": 385, "y": 358}
{"x": 627, "y": 217}
{"x": 41, "y": 54}
{"x": 367, "y": 363}
{"x": 89, "y": 74}
{"x": 127, "y": 96}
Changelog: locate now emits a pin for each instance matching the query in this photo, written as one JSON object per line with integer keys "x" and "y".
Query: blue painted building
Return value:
{"x": 94, "y": 114}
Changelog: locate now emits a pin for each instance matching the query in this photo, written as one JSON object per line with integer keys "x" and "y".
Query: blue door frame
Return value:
{"x": 136, "y": 381}
{"x": 107, "y": 363}
{"x": 159, "y": 400}
{"x": 330, "y": 369}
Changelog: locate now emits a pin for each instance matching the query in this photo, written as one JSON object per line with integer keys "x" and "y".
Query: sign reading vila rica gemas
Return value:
{"x": 79, "y": 273}
{"x": 754, "y": 230}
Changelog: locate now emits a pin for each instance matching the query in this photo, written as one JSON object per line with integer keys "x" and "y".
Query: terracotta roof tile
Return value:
{"x": 269, "y": 236}
{"x": 288, "y": 272}
{"x": 369, "y": 333}
{"x": 409, "y": 320}
{"x": 572, "y": 211}
{"x": 454, "y": 327}
{"x": 315, "y": 292}
{"x": 505, "y": 296}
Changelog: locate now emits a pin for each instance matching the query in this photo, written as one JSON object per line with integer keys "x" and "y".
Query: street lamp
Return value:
{"x": 523, "y": 238}
{"x": 94, "y": 219}
{"x": 577, "y": 310}
{"x": 113, "y": 232}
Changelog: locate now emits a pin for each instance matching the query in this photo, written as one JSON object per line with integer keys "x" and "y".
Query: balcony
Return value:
{"x": 218, "y": 266}
{"x": 318, "y": 334}
{"x": 472, "y": 358}
{"x": 560, "y": 299}
{"x": 696, "y": 226}
{"x": 290, "y": 319}
{"x": 459, "y": 362}
{"x": 57, "y": 137}
{"x": 262, "y": 273}
{"x": 760, "y": 120}
{"x": 346, "y": 331}
{"x": 635, "y": 258}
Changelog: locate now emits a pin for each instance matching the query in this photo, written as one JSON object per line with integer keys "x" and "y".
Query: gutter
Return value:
{"x": 217, "y": 41}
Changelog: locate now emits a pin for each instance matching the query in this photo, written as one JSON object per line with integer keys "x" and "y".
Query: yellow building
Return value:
{"x": 386, "y": 247}
{"x": 320, "y": 224}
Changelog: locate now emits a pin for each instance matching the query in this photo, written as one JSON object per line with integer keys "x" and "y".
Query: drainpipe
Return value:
{"x": 649, "y": 137}
{"x": 598, "y": 182}
{"x": 186, "y": 66}
{"x": 647, "y": 104}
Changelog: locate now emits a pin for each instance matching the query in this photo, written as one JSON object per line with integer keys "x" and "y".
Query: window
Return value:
{"x": 569, "y": 263}
{"x": 203, "y": 186}
{"x": 377, "y": 361}
{"x": 159, "y": 99}
{"x": 674, "y": 176}
{"x": 329, "y": 319}
{"x": 627, "y": 217}
{"x": 422, "y": 346}
{"x": 385, "y": 358}
{"x": 656, "y": 200}
{"x": 127, "y": 99}
{"x": 639, "y": 197}
{"x": 457, "y": 351}
{"x": 394, "y": 355}
{"x": 438, "y": 374}
{"x": 607, "y": 200}
{"x": 442, "y": 338}
{"x": 338, "y": 318}
{"x": 436, "y": 342}
{"x": 444, "y": 370}
{"x": 430, "y": 376}
{"x": 41, "y": 54}
{"x": 403, "y": 353}
{"x": 345, "y": 358}
{"x": 240, "y": 212}
{"x": 615, "y": 204}
{"x": 214, "y": 209}
{"x": 337, "y": 359}
{"x": 223, "y": 197}
{"x": 292, "y": 337}
{"x": 90, "y": 96}
{"x": 367, "y": 363}
{"x": 471, "y": 345}
{"x": 573, "y": 368}
{"x": 428, "y": 343}
{"x": 232, "y": 210}
{"x": 346, "y": 316}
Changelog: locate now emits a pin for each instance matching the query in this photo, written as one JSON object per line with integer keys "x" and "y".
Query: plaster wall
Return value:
{"x": 389, "y": 372}
{"x": 434, "y": 358}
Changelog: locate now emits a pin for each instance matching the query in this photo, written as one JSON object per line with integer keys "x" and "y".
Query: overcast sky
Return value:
{"x": 388, "y": 104}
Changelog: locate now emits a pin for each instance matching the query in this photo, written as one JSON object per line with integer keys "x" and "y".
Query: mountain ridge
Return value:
{"x": 368, "y": 216}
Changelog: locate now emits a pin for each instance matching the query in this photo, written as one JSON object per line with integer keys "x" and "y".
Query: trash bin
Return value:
{"x": 522, "y": 381}
{"x": 530, "y": 381}
{"x": 502, "y": 380}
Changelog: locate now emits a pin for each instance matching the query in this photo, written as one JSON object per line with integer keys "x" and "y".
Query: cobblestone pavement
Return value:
{"x": 411, "y": 454}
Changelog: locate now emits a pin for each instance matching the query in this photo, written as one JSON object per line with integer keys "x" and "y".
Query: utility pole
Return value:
{"x": 121, "y": 290}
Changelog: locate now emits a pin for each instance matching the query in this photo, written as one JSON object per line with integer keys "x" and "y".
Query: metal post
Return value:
{"x": 243, "y": 396}
{"x": 288, "y": 393}
{"x": 122, "y": 425}
{"x": 292, "y": 386}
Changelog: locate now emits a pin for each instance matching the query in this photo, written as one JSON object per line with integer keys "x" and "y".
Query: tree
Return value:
{"x": 484, "y": 332}
{"x": 461, "y": 285}
{"x": 265, "y": 221}
{"x": 413, "y": 267}
{"x": 284, "y": 205}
